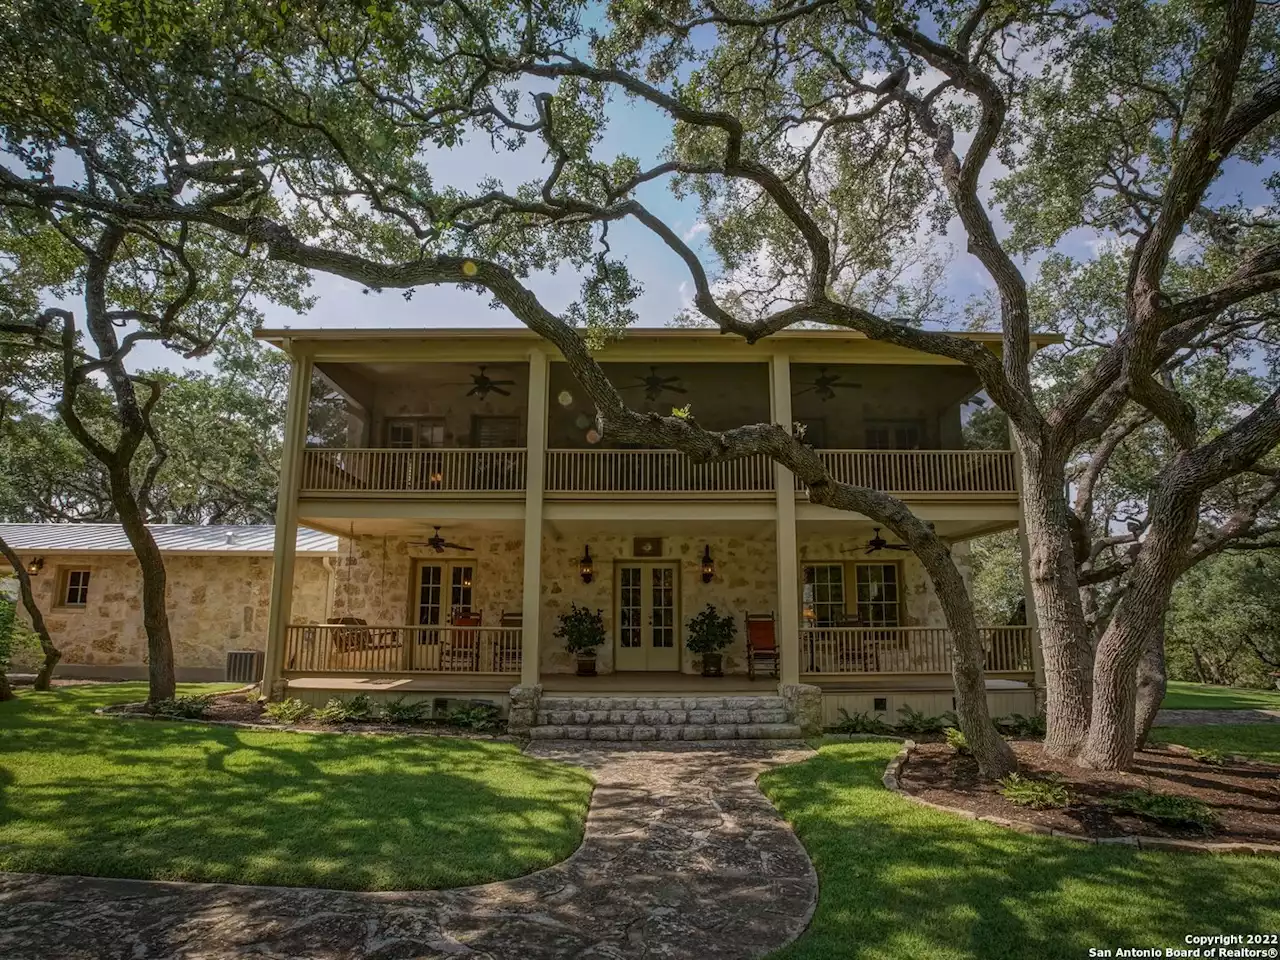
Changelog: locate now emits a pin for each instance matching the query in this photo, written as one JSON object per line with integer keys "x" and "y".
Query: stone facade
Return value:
{"x": 216, "y": 604}
{"x": 376, "y": 579}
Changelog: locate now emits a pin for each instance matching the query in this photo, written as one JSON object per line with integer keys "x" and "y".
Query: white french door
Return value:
{"x": 646, "y": 597}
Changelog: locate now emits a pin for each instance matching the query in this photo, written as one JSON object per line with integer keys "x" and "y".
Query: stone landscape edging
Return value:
{"x": 892, "y": 781}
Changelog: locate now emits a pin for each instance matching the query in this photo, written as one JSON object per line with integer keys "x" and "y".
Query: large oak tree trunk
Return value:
{"x": 1064, "y": 637}
{"x": 44, "y": 677}
{"x": 1139, "y": 615}
{"x": 155, "y": 614}
{"x": 1152, "y": 684}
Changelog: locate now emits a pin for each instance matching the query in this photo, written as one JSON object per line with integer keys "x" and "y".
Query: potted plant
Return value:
{"x": 582, "y": 630}
{"x": 709, "y": 633}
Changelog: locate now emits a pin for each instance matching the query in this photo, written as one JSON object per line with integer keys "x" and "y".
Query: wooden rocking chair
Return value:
{"x": 762, "y": 643}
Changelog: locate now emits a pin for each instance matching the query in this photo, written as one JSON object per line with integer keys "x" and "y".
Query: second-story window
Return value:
{"x": 495, "y": 432}
{"x": 894, "y": 434}
{"x": 408, "y": 433}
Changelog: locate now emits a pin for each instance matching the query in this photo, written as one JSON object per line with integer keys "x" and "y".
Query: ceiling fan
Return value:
{"x": 654, "y": 385}
{"x": 878, "y": 542}
{"x": 825, "y": 384}
{"x": 439, "y": 544}
{"x": 483, "y": 385}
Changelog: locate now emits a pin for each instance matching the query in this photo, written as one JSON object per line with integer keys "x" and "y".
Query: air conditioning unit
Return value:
{"x": 244, "y": 666}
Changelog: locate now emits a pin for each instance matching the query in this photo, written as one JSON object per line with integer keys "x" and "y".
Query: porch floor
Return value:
{"x": 628, "y": 683}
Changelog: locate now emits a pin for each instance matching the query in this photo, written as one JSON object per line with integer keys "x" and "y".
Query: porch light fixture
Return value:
{"x": 585, "y": 566}
{"x": 708, "y": 565}
{"x": 35, "y": 566}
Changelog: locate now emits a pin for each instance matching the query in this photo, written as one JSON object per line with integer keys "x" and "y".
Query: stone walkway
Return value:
{"x": 1202, "y": 718}
{"x": 683, "y": 858}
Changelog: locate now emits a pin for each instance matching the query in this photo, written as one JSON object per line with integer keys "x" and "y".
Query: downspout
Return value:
{"x": 329, "y": 585}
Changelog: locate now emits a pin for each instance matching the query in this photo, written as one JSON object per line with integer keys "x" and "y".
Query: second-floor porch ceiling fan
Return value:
{"x": 825, "y": 385}
{"x": 654, "y": 385}
{"x": 482, "y": 385}
{"x": 439, "y": 544}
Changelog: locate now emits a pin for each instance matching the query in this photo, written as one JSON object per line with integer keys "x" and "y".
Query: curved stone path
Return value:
{"x": 683, "y": 858}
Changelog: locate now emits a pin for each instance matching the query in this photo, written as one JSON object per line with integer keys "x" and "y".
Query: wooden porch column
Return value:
{"x": 295, "y": 438}
{"x": 788, "y": 573}
{"x": 535, "y": 478}
{"x": 1028, "y": 600}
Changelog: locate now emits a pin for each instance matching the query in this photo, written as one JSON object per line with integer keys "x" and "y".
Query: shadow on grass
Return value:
{"x": 159, "y": 800}
{"x": 899, "y": 880}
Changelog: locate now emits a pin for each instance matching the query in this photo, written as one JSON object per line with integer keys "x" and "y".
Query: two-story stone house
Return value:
{"x": 485, "y": 435}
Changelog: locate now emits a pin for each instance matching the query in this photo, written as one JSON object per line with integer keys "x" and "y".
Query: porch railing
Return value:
{"x": 415, "y": 471}
{"x": 845, "y": 650}
{"x": 334, "y": 648}
{"x": 924, "y": 471}
{"x": 652, "y": 471}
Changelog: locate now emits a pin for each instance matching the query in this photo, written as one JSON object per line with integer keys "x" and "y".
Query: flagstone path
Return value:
{"x": 1204, "y": 718}
{"x": 683, "y": 859}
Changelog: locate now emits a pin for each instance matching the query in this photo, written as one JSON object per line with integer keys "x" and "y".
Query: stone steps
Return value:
{"x": 663, "y": 718}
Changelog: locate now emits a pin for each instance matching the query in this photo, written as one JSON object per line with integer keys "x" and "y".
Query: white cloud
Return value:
{"x": 696, "y": 230}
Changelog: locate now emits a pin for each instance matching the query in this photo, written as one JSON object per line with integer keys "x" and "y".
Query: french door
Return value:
{"x": 647, "y": 601}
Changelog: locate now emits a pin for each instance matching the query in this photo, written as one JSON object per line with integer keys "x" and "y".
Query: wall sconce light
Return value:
{"x": 708, "y": 565}
{"x": 585, "y": 566}
{"x": 35, "y": 566}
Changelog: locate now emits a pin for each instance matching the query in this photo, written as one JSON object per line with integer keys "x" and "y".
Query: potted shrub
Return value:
{"x": 709, "y": 633}
{"x": 582, "y": 630}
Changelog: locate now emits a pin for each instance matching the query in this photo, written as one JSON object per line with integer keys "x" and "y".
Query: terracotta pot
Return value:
{"x": 713, "y": 665}
{"x": 586, "y": 664}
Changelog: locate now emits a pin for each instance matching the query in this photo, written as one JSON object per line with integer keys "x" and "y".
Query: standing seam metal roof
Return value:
{"x": 170, "y": 537}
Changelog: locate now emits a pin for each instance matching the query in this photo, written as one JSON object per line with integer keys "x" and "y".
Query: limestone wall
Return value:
{"x": 375, "y": 578}
{"x": 216, "y": 604}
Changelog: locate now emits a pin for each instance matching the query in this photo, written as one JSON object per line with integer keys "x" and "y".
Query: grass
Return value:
{"x": 899, "y": 881}
{"x": 82, "y": 794}
{"x": 1203, "y": 696}
{"x": 1258, "y": 740}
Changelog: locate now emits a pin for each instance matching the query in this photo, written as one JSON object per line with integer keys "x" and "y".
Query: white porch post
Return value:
{"x": 286, "y": 545}
{"x": 1028, "y": 601}
{"x": 535, "y": 477}
{"x": 788, "y": 622}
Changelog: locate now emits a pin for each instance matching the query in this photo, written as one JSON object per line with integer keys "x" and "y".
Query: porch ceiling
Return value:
{"x": 858, "y": 527}
{"x": 571, "y": 529}
{"x": 452, "y": 529}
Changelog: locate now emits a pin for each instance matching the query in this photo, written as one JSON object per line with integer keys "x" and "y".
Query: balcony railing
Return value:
{"x": 572, "y": 473}
{"x": 334, "y": 648}
{"x": 652, "y": 471}
{"x": 924, "y": 471}
{"x": 848, "y": 650}
{"x": 414, "y": 471}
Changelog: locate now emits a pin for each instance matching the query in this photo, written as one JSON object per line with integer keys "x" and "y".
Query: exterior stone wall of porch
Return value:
{"x": 374, "y": 581}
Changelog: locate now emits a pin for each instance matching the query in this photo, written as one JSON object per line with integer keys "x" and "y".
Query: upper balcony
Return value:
{"x": 451, "y": 430}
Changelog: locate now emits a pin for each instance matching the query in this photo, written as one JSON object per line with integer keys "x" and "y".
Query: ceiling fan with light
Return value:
{"x": 439, "y": 544}
{"x": 825, "y": 384}
{"x": 482, "y": 385}
{"x": 654, "y": 385}
{"x": 878, "y": 542}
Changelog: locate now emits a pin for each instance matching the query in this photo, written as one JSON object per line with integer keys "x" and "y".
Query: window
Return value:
{"x": 894, "y": 434}
{"x": 823, "y": 600}
{"x": 422, "y": 432}
{"x": 495, "y": 432}
{"x": 430, "y": 577}
{"x": 75, "y": 588}
{"x": 877, "y": 593}
{"x": 460, "y": 589}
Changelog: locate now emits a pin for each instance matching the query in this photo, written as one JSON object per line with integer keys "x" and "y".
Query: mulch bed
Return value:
{"x": 1244, "y": 795}
{"x": 244, "y": 710}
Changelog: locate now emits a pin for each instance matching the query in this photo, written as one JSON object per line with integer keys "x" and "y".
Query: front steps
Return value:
{"x": 663, "y": 718}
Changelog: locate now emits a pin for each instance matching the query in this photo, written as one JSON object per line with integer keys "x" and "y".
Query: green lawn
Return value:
{"x": 1203, "y": 696}
{"x": 1259, "y": 740}
{"x": 904, "y": 882}
{"x": 81, "y": 794}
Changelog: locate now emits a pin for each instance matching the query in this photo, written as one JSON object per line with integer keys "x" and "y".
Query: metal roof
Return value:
{"x": 170, "y": 537}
